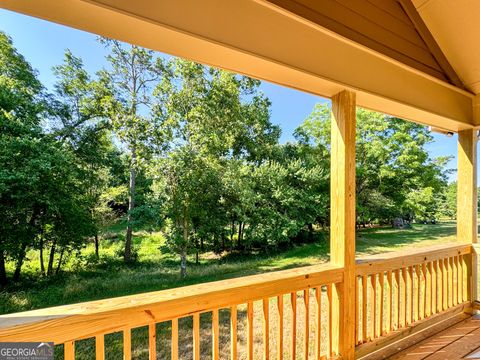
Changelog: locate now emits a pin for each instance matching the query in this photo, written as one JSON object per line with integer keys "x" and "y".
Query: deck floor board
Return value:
{"x": 455, "y": 343}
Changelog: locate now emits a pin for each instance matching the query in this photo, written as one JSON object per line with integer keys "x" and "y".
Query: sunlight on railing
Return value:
{"x": 279, "y": 315}
{"x": 397, "y": 292}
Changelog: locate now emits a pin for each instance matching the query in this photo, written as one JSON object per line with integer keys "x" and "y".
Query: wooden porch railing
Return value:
{"x": 69, "y": 324}
{"x": 393, "y": 293}
{"x": 398, "y": 291}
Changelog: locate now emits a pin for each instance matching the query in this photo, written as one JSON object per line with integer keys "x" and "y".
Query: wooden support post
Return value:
{"x": 342, "y": 227}
{"x": 467, "y": 202}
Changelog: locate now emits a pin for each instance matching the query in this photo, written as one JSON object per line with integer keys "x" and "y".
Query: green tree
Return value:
{"x": 215, "y": 117}
{"x": 81, "y": 125}
{"x": 21, "y": 109}
{"x": 125, "y": 91}
{"x": 392, "y": 162}
{"x": 42, "y": 202}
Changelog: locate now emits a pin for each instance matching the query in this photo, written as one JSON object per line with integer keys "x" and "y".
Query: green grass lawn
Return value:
{"x": 85, "y": 278}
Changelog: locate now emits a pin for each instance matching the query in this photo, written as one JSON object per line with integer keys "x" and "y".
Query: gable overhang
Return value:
{"x": 268, "y": 42}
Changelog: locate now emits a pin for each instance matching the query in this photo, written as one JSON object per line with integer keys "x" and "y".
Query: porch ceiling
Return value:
{"x": 266, "y": 40}
{"x": 456, "y": 28}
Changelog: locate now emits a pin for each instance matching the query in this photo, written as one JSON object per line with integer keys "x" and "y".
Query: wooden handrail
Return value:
{"x": 73, "y": 322}
{"x": 395, "y": 260}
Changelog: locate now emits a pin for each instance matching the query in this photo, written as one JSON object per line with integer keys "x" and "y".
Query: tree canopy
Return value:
{"x": 170, "y": 145}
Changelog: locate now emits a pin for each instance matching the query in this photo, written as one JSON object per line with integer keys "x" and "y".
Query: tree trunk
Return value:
{"x": 183, "y": 254}
{"x": 239, "y": 240}
{"x": 51, "y": 258}
{"x": 3, "y": 272}
{"x": 232, "y": 232}
{"x": 127, "y": 257}
{"x": 42, "y": 264}
{"x": 59, "y": 265}
{"x": 183, "y": 264}
{"x": 310, "y": 232}
{"x": 97, "y": 254}
{"x": 21, "y": 257}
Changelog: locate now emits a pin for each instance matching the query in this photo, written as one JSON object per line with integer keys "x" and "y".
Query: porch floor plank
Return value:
{"x": 456, "y": 342}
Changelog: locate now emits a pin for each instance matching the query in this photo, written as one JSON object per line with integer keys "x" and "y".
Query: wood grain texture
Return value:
{"x": 428, "y": 289}
{"x": 174, "y": 344}
{"x": 398, "y": 281}
{"x": 358, "y": 312}
{"x": 306, "y": 333}
{"x": 404, "y": 297}
{"x": 419, "y": 291}
{"x": 215, "y": 336}
{"x": 373, "y": 306}
{"x": 370, "y": 25}
{"x": 467, "y": 226}
{"x": 386, "y": 346}
{"x": 448, "y": 262}
{"x": 196, "y": 336}
{"x": 105, "y": 316}
{"x": 99, "y": 347}
{"x": 382, "y": 304}
{"x": 293, "y": 325}
{"x": 342, "y": 218}
{"x": 330, "y": 321}
{"x": 434, "y": 287}
{"x": 250, "y": 330}
{"x": 396, "y": 260}
{"x": 389, "y": 301}
{"x": 364, "y": 307}
{"x": 395, "y": 306}
{"x": 408, "y": 300}
{"x": 233, "y": 333}
{"x": 445, "y": 283}
{"x": 280, "y": 327}
{"x": 152, "y": 341}
{"x": 69, "y": 350}
{"x": 318, "y": 325}
{"x": 127, "y": 344}
{"x": 266, "y": 329}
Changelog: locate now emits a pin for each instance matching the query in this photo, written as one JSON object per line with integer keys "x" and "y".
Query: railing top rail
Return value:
{"x": 400, "y": 259}
{"x": 71, "y": 322}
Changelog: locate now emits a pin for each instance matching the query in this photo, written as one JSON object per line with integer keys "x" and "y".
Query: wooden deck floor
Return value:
{"x": 461, "y": 341}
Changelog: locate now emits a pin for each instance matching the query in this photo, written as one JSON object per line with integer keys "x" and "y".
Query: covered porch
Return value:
{"x": 417, "y": 60}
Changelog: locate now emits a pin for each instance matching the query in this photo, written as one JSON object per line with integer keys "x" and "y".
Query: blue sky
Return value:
{"x": 43, "y": 44}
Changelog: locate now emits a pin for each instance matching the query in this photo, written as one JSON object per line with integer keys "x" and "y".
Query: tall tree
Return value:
{"x": 215, "y": 117}
{"x": 41, "y": 184}
{"x": 126, "y": 89}
{"x": 21, "y": 109}
{"x": 80, "y": 123}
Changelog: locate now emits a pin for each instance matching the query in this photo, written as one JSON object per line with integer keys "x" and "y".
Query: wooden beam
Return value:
{"x": 342, "y": 220}
{"x": 265, "y": 41}
{"x": 467, "y": 227}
